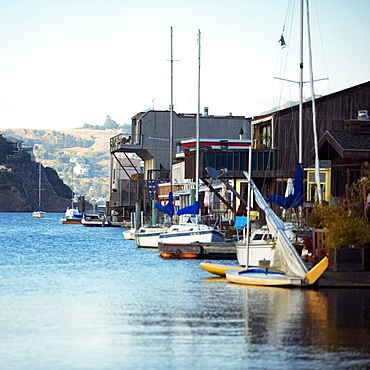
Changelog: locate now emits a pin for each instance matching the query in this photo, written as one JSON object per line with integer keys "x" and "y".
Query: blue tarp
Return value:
{"x": 189, "y": 210}
{"x": 296, "y": 198}
{"x": 169, "y": 209}
{"x": 240, "y": 221}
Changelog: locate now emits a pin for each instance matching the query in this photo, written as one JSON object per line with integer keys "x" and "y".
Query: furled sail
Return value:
{"x": 286, "y": 257}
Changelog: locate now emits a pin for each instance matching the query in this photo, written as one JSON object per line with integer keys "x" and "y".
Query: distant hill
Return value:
{"x": 19, "y": 182}
{"x": 287, "y": 104}
{"x": 79, "y": 156}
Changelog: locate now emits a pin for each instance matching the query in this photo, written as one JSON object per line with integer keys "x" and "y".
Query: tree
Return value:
{"x": 110, "y": 124}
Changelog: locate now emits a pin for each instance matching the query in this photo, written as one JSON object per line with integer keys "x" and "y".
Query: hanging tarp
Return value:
{"x": 169, "y": 208}
{"x": 295, "y": 199}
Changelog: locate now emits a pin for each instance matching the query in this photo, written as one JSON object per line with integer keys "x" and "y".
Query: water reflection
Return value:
{"x": 72, "y": 297}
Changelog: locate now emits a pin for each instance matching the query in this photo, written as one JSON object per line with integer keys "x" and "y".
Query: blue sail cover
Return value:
{"x": 189, "y": 210}
{"x": 169, "y": 208}
{"x": 296, "y": 198}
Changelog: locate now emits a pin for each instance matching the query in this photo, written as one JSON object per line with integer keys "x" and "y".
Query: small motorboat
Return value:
{"x": 95, "y": 218}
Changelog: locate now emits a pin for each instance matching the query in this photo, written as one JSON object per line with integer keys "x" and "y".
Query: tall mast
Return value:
{"x": 40, "y": 184}
{"x": 300, "y": 119}
{"x": 171, "y": 116}
{"x": 317, "y": 162}
{"x": 197, "y": 129}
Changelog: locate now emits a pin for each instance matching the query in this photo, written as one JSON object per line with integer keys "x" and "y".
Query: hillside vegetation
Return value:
{"x": 80, "y": 156}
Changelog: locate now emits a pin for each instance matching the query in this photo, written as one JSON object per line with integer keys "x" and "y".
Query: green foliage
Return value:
{"x": 24, "y": 157}
{"x": 5, "y": 179}
{"x": 6, "y": 148}
{"x": 347, "y": 221}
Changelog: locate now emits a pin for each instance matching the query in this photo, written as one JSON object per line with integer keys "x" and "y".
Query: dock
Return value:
{"x": 212, "y": 251}
{"x": 352, "y": 279}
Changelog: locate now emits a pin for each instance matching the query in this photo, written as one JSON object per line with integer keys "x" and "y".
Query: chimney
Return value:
{"x": 241, "y": 133}
{"x": 362, "y": 114}
{"x": 359, "y": 126}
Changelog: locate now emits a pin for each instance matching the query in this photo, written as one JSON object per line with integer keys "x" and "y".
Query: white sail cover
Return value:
{"x": 286, "y": 257}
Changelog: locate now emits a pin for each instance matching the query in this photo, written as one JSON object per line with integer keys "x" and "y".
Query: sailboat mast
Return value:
{"x": 40, "y": 184}
{"x": 171, "y": 116}
{"x": 317, "y": 162}
{"x": 300, "y": 118}
{"x": 197, "y": 129}
{"x": 249, "y": 196}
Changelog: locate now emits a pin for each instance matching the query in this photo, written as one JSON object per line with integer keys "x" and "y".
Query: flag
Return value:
{"x": 282, "y": 42}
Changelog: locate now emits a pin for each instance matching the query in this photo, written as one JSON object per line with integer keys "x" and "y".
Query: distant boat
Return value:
{"x": 39, "y": 213}
{"x": 129, "y": 234}
{"x": 72, "y": 216}
{"x": 95, "y": 218}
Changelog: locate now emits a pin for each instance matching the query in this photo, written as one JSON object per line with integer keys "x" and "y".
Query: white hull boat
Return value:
{"x": 97, "y": 219}
{"x": 188, "y": 233}
{"x": 260, "y": 277}
{"x": 261, "y": 245}
{"x": 129, "y": 234}
{"x": 38, "y": 214}
{"x": 72, "y": 216}
{"x": 148, "y": 237}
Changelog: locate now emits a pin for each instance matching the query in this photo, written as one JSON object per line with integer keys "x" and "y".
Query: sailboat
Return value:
{"x": 287, "y": 267}
{"x": 72, "y": 214}
{"x": 148, "y": 237}
{"x": 191, "y": 232}
{"x": 39, "y": 213}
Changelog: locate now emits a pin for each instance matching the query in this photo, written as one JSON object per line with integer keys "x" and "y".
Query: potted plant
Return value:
{"x": 348, "y": 229}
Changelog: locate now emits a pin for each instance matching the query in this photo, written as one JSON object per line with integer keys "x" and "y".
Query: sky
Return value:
{"x": 64, "y": 63}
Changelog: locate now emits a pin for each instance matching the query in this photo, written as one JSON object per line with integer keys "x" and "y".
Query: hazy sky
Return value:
{"x": 69, "y": 62}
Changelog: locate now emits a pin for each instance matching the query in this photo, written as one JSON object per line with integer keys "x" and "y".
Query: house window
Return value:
{"x": 265, "y": 136}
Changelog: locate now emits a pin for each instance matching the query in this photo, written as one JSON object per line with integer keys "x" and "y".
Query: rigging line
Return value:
{"x": 322, "y": 44}
{"x": 283, "y": 62}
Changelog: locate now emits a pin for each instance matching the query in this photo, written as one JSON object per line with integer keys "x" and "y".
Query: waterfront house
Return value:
{"x": 277, "y": 132}
{"x": 348, "y": 152}
{"x": 275, "y": 149}
{"x": 150, "y": 141}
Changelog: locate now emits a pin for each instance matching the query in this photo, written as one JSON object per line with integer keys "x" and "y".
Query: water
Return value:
{"x": 84, "y": 298}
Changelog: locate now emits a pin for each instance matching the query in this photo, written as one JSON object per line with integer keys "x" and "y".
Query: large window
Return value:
{"x": 238, "y": 160}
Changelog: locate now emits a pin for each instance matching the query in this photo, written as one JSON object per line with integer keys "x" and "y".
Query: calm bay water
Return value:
{"x": 84, "y": 298}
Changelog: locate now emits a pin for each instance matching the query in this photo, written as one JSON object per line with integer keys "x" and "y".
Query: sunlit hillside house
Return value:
{"x": 16, "y": 147}
{"x": 150, "y": 141}
{"x": 81, "y": 169}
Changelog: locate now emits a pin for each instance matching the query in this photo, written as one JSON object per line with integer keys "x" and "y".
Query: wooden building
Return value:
{"x": 278, "y": 133}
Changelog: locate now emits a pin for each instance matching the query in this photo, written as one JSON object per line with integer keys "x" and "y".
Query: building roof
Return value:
{"x": 346, "y": 144}
{"x": 287, "y": 110}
